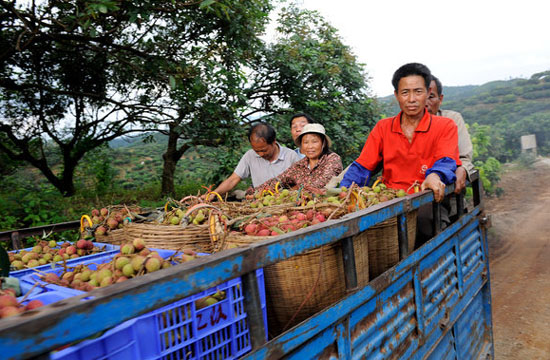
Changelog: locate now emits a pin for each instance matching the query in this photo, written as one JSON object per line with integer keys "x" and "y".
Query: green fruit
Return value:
{"x": 376, "y": 189}
{"x": 401, "y": 193}
{"x": 121, "y": 262}
{"x": 128, "y": 270}
{"x": 180, "y": 213}
{"x": 174, "y": 220}
{"x": 199, "y": 217}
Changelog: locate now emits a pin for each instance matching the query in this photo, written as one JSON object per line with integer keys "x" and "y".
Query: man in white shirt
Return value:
{"x": 264, "y": 161}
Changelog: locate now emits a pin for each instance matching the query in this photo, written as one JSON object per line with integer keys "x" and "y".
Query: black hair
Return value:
{"x": 297, "y": 115}
{"x": 262, "y": 130}
{"x": 438, "y": 84}
{"x": 412, "y": 69}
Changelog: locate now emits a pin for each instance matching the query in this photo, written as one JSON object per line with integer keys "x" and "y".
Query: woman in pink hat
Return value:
{"x": 316, "y": 169}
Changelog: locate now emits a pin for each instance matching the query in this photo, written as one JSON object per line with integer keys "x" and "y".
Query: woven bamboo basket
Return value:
{"x": 384, "y": 243}
{"x": 115, "y": 237}
{"x": 194, "y": 237}
{"x": 305, "y": 284}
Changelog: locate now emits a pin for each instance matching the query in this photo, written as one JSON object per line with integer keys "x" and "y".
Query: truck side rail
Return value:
{"x": 36, "y": 332}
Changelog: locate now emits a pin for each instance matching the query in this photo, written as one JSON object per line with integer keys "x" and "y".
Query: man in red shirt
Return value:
{"x": 415, "y": 146}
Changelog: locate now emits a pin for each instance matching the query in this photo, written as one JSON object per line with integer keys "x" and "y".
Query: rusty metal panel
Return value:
{"x": 470, "y": 330}
{"x": 384, "y": 327}
{"x": 439, "y": 285}
{"x": 445, "y": 350}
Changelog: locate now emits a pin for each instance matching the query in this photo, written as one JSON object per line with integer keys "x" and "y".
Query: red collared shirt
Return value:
{"x": 405, "y": 162}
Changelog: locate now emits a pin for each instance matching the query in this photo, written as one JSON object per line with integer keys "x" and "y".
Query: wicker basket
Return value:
{"x": 115, "y": 237}
{"x": 195, "y": 237}
{"x": 384, "y": 244}
{"x": 305, "y": 284}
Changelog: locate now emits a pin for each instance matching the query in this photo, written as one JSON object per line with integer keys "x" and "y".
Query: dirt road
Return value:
{"x": 519, "y": 249}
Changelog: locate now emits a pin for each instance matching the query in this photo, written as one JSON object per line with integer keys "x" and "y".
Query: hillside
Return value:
{"x": 511, "y": 108}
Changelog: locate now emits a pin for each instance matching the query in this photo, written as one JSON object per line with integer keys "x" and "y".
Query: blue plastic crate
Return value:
{"x": 31, "y": 277}
{"x": 178, "y": 331}
{"x": 107, "y": 249}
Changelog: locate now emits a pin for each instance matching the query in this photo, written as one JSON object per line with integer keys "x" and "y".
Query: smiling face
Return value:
{"x": 412, "y": 95}
{"x": 297, "y": 125}
{"x": 312, "y": 146}
{"x": 263, "y": 149}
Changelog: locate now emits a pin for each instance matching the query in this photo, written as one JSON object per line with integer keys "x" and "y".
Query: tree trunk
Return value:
{"x": 171, "y": 158}
{"x": 168, "y": 171}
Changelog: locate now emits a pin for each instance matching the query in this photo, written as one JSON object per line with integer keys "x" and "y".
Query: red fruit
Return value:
{"x": 95, "y": 212}
{"x": 61, "y": 251}
{"x": 112, "y": 223}
{"x": 89, "y": 244}
{"x": 9, "y": 292}
{"x": 104, "y": 212}
{"x": 100, "y": 230}
{"x": 51, "y": 278}
{"x": 274, "y": 233}
{"x": 310, "y": 214}
{"x": 139, "y": 244}
{"x": 301, "y": 216}
{"x": 251, "y": 229}
{"x": 8, "y": 300}
{"x": 71, "y": 250}
{"x": 315, "y": 221}
{"x": 264, "y": 232}
{"x": 144, "y": 252}
{"x": 321, "y": 217}
{"x": 33, "y": 304}
{"x": 121, "y": 279}
{"x": 81, "y": 244}
{"x": 342, "y": 195}
{"x": 283, "y": 218}
{"x": 118, "y": 218}
{"x": 10, "y": 311}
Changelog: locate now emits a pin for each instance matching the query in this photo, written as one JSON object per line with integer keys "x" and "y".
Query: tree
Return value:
{"x": 309, "y": 69}
{"x": 66, "y": 71}
{"x": 208, "y": 76}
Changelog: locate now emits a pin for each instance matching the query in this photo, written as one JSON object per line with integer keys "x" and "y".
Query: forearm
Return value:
{"x": 228, "y": 184}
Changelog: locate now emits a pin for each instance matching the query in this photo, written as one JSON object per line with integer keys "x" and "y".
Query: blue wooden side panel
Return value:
{"x": 434, "y": 310}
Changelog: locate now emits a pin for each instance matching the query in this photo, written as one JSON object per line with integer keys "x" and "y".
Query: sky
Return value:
{"x": 462, "y": 42}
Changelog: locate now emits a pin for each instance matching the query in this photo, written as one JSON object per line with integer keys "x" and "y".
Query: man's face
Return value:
{"x": 412, "y": 95}
{"x": 262, "y": 148}
{"x": 434, "y": 100}
{"x": 296, "y": 126}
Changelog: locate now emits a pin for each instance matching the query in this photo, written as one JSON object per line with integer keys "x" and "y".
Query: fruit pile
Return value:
{"x": 134, "y": 259}
{"x": 9, "y": 305}
{"x": 109, "y": 218}
{"x": 287, "y": 211}
{"x": 48, "y": 251}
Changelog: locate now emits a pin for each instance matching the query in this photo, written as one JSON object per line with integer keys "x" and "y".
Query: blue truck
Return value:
{"x": 435, "y": 303}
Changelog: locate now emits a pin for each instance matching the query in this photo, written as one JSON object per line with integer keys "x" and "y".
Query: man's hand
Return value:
{"x": 460, "y": 183}
{"x": 434, "y": 183}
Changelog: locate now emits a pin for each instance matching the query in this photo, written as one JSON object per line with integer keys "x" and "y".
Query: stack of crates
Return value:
{"x": 176, "y": 331}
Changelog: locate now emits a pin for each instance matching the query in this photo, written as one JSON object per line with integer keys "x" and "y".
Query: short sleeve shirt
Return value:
{"x": 260, "y": 170}
{"x": 434, "y": 138}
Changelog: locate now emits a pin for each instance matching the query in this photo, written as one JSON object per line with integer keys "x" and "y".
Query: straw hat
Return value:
{"x": 313, "y": 129}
